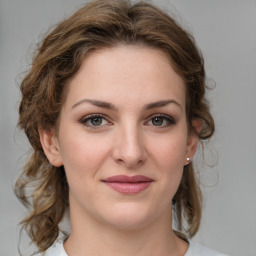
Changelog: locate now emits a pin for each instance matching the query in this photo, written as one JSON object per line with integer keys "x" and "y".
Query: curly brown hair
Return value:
{"x": 101, "y": 24}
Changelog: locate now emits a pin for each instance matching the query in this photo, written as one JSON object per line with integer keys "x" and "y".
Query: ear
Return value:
{"x": 192, "y": 141}
{"x": 50, "y": 146}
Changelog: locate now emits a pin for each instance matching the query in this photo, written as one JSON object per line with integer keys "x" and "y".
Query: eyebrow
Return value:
{"x": 107, "y": 105}
{"x": 98, "y": 103}
{"x": 161, "y": 103}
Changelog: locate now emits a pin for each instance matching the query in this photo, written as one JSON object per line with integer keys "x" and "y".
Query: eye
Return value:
{"x": 161, "y": 120}
{"x": 94, "y": 121}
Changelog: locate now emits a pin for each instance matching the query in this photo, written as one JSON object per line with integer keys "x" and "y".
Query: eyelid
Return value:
{"x": 86, "y": 118}
{"x": 168, "y": 118}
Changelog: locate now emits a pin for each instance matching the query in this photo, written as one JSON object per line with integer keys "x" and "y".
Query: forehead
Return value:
{"x": 135, "y": 73}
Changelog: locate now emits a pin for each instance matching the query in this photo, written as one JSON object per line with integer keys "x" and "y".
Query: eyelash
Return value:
{"x": 86, "y": 119}
{"x": 170, "y": 120}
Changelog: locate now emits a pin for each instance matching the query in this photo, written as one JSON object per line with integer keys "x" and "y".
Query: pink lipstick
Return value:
{"x": 128, "y": 184}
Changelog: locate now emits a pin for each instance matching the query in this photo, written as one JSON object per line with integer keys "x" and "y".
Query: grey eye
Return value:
{"x": 161, "y": 121}
{"x": 96, "y": 121}
{"x": 157, "y": 121}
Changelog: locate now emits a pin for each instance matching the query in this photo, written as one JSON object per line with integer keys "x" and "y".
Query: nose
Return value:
{"x": 129, "y": 148}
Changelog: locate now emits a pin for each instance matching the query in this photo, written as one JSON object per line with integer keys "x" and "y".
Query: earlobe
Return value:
{"x": 50, "y": 146}
{"x": 191, "y": 147}
{"x": 193, "y": 141}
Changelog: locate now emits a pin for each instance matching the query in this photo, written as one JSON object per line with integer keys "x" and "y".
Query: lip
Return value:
{"x": 128, "y": 184}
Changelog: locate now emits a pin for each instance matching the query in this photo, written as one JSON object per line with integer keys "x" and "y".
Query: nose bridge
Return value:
{"x": 129, "y": 147}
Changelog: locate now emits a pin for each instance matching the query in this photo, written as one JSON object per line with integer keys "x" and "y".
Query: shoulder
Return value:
{"x": 199, "y": 250}
{"x": 57, "y": 249}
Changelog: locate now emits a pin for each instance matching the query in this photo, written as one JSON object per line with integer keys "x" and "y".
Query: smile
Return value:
{"x": 128, "y": 185}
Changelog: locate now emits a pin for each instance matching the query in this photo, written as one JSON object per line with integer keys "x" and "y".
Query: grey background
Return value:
{"x": 225, "y": 30}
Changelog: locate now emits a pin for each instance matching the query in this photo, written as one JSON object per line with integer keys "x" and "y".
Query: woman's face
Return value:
{"x": 123, "y": 137}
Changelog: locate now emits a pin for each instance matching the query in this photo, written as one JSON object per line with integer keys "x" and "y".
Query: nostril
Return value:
{"x": 130, "y": 163}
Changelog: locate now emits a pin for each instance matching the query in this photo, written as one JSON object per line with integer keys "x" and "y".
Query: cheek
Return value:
{"x": 82, "y": 155}
{"x": 170, "y": 151}
{"x": 169, "y": 158}
{"x": 82, "y": 160}
{"x": 171, "y": 163}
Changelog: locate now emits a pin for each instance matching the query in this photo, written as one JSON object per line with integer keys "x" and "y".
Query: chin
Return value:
{"x": 130, "y": 217}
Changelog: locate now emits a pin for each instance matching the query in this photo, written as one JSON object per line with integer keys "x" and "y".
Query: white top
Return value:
{"x": 193, "y": 250}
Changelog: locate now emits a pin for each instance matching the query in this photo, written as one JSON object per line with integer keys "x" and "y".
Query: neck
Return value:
{"x": 93, "y": 237}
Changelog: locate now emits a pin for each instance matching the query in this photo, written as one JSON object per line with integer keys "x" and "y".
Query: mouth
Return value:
{"x": 128, "y": 184}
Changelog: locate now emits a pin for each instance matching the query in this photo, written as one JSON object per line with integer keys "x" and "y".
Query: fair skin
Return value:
{"x": 124, "y": 115}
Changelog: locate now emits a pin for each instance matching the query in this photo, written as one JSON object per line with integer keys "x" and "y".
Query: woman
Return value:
{"x": 114, "y": 107}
